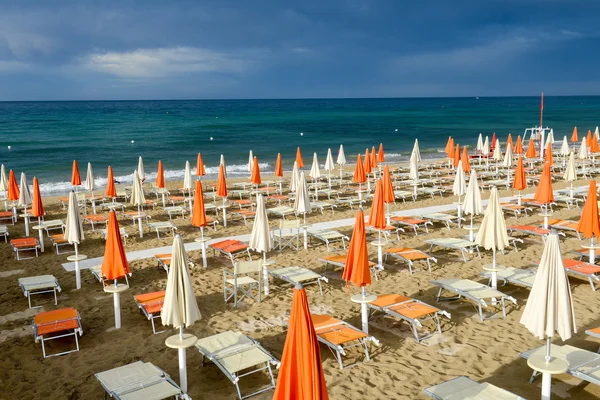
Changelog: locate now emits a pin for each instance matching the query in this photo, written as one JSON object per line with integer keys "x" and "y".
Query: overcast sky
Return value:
{"x": 77, "y": 50}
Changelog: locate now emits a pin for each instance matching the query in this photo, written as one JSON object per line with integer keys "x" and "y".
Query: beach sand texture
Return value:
{"x": 399, "y": 369}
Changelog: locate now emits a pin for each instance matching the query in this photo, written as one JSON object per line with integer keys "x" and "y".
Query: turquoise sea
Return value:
{"x": 45, "y": 137}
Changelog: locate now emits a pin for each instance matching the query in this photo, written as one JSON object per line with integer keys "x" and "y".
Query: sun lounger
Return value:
{"x": 112, "y": 206}
{"x": 462, "y": 245}
{"x": 583, "y": 364}
{"x": 174, "y": 200}
{"x": 403, "y": 195}
{"x": 432, "y": 191}
{"x": 243, "y": 203}
{"x": 340, "y": 336}
{"x": 244, "y": 214}
{"x": 237, "y": 356}
{"x": 8, "y": 216}
{"x": 59, "y": 241}
{"x": 278, "y": 198}
{"x": 564, "y": 225}
{"x": 410, "y": 256}
{"x": 294, "y": 275}
{"x": 340, "y": 261}
{"x": 162, "y": 226}
{"x": 164, "y": 261}
{"x": 446, "y": 219}
{"x": 139, "y": 380}
{"x": 467, "y": 389}
{"x": 282, "y": 211}
{"x": 568, "y": 201}
{"x": 328, "y": 236}
{"x": 414, "y": 223}
{"x": 122, "y": 231}
{"x": 175, "y": 211}
{"x": 482, "y": 295}
{"x": 534, "y": 203}
{"x": 413, "y": 311}
{"x": 387, "y": 231}
{"x": 530, "y": 230}
{"x": 516, "y": 209}
{"x": 57, "y": 324}
{"x": 4, "y": 233}
{"x": 150, "y": 305}
{"x": 348, "y": 201}
{"x": 25, "y": 244}
{"x": 231, "y": 249}
{"x": 38, "y": 285}
{"x": 322, "y": 205}
{"x": 583, "y": 270}
{"x": 94, "y": 219}
{"x": 497, "y": 182}
{"x": 595, "y": 333}
{"x": 514, "y": 276}
{"x": 53, "y": 225}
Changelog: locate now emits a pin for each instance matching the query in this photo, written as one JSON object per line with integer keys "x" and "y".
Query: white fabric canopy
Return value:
{"x": 472, "y": 204}
{"x": 140, "y": 169}
{"x": 90, "y": 184}
{"x": 260, "y": 238}
{"x": 413, "y": 172}
{"x": 460, "y": 187}
{"x": 341, "y": 158}
{"x": 570, "y": 172}
{"x": 486, "y": 146}
{"x": 508, "y": 157}
{"x": 302, "y": 202}
{"x": 550, "y": 138}
{"x": 480, "y": 143}
{"x": 3, "y": 179}
{"x": 329, "y": 165}
{"x": 497, "y": 151}
{"x": 416, "y": 150}
{"x": 188, "y": 181}
{"x": 492, "y": 232}
{"x": 583, "y": 151}
{"x": 295, "y": 178}
{"x": 25, "y": 193}
{"x": 137, "y": 193}
{"x": 564, "y": 148}
{"x": 250, "y": 161}
{"x": 315, "y": 172}
{"x": 74, "y": 228}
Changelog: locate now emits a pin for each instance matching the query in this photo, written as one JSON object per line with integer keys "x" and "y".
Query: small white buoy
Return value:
{"x": 301, "y": 133}
{"x": 9, "y": 147}
{"x": 396, "y": 129}
{"x": 133, "y": 141}
{"x": 211, "y": 138}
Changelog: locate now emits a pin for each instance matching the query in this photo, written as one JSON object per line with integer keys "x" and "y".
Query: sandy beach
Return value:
{"x": 400, "y": 368}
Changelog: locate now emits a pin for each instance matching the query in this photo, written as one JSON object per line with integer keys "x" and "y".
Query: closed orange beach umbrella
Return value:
{"x": 548, "y": 154}
{"x": 531, "y": 153}
{"x": 221, "y": 183}
{"x": 456, "y": 156}
{"x": 111, "y": 190}
{"x": 357, "y": 269}
{"x": 278, "y": 166}
{"x": 589, "y": 224}
{"x": 301, "y": 374}
{"x": 359, "y": 172}
{"x": 373, "y": 158}
{"x": 519, "y": 146}
{"x": 114, "y": 265}
{"x": 543, "y": 193}
{"x": 37, "y": 206}
{"x": 588, "y": 139}
{"x": 450, "y": 151}
{"x": 75, "y": 178}
{"x": 466, "y": 161}
{"x": 520, "y": 182}
{"x": 449, "y": 146}
{"x": 380, "y": 154}
{"x": 509, "y": 140}
{"x": 200, "y": 170}
{"x": 594, "y": 145}
{"x": 367, "y": 165}
{"x": 493, "y": 146}
{"x": 299, "y": 158}
{"x": 574, "y": 136}
{"x": 255, "y": 178}
{"x": 388, "y": 188}
{"x": 13, "y": 188}
{"x": 199, "y": 215}
{"x": 160, "y": 176}
{"x": 377, "y": 214}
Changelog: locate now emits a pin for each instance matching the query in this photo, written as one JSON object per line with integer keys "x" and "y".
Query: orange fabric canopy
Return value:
{"x": 493, "y": 144}
{"x": 450, "y": 151}
{"x": 367, "y": 165}
{"x": 359, "y": 171}
{"x": 114, "y": 265}
{"x": 75, "y": 178}
{"x": 589, "y": 225}
{"x": 357, "y": 269}
{"x": 278, "y": 166}
{"x": 449, "y": 146}
{"x": 373, "y": 158}
{"x": 588, "y": 139}
{"x": 520, "y": 181}
{"x": 531, "y": 153}
{"x": 377, "y": 214}
{"x": 388, "y": 188}
{"x": 594, "y": 144}
{"x": 301, "y": 371}
{"x": 221, "y": 183}
{"x": 380, "y": 154}
{"x": 299, "y": 158}
{"x": 255, "y": 178}
{"x": 543, "y": 193}
{"x": 200, "y": 170}
{"x": 456, "y": 156}
{"x": 519, "y": 146}
{"x": 509, "y": 140}
{"x": 199, "y": 215}
{"x": 574, "y": 136}
{"x": 13, "y": 187}
{"x": 37, "y": 206}
{"x": 111, "y": 190}
{"x": 160, "y": 176}
{"x": 465, "y": 160}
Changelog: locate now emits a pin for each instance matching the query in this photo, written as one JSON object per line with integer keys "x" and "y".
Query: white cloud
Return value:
{"x": 158, "y": 62}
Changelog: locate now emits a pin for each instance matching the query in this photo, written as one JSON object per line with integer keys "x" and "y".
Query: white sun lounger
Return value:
{"x": 462, "y": 245}
{"x": 446, "y": 219}
{"x": 570, "y": 202}
{"x": 514, "y": 276}
{"x": 328, "y": 236}
{"x": 38, "y": 285}
{"x": 54, "y": 224}
{"x": 322, "y": 205}
{"x": 139, "y": 381}
{"x": 467, "y": 389}
{"x": 4, "y": 233}
{"x": 348, "y": 201}
{"x": 583, "y": 364}
{"x": 122, "y": 231}
{"x": 162, "y": 226}
{"x": 112, "y": 206}
{"x": 340, "y": 261}
{"x": 403, "y": 195}
{"x": 175, "y": 211}
{"x": 294, "y": 275}
{"x": 237, "y": 356}
{"x": 482, "y": 295}
{"x": 281, "y": 211}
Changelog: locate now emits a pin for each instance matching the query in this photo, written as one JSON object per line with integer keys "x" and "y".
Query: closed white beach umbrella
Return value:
{"x": 222, "y": 162}
{"x": 459, "y": 188}
{"x": 480, "y": 143}
{"x": 486, "y": 146}
{"x": 564, "y": 148}
{"x": 302, "y": 202}
{"x": 549, "y": 307}
{"x": 492, "y": 232}
{"x": 295, "y": 178}
{"x": 3, "y": 179}
{"x": 74, "y": 232}
{"x": 413, "y": 170}
{"x": 341, "y": 158}
{"x": 260, "y": 238}
{"x": 472, "y": 204}
{"x": 250, "y": 161}
{"x": 416, "y": 150}
{"x": 329, "y": 164}
{"x": 597, "y": 133}
{"x": 550, "y": 138}
{"x": 315, "y": 172}
{"x": 90, "y": 184}
{"x": 25, "y": 193}
{"x": 583, "y": 151}
{"x": 140, "y": 169}
{"x": 180, "y": 308}
{"x": 188, "y": 182}
{"x": 138, "y": 199}
{"x": 497, "y": 151}
{"x": 571, "y": 172}
{"x": 508, "y": 157}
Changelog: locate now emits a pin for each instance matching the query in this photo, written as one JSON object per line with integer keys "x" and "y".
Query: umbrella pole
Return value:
{"x": 547, "y": 377}
{"x": 77, "y": 270}
{"x": 364, "y": 312}
{"x": 204, "y": 264}
{"x": 163, "y": 199}
{"x": 494, "y": 276}
{"x": 459, "y": 211}
{"x": 26, "y": 221}
{"x": 387, "y": 214}
{"x": 265, "y": 274}
{"x": 140, "y": 221}
{"x": 117, "y": 307}
{"x": 305, "y": 233}
{"x": 41, "y": 234}
{"x": 93, "y": 203}
{"x": 471, "y": 232}
{"x": 182, "y": 363}
{"x": 224, "y": 214}
{"x": 592, "y": 251}
{"x": 571, "y": 190}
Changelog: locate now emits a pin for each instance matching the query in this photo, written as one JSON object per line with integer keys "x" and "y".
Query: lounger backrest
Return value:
{"x": 289, "y": 224}
{"x": 248, "y": 267}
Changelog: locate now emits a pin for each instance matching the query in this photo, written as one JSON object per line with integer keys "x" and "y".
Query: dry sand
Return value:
{"x": 400, "y": 368}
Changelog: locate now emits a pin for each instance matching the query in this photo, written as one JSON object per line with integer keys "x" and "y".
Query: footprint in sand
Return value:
{"x": 27, "y": 314}
{"x": 15, "y": 333}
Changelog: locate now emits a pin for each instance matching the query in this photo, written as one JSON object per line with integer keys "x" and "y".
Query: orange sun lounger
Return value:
{"x": 413, "y": 311}
{"x": 412, "y": 222}
{"x": 565, "y": 225}
{"x": 8, "y": 215}
{"x": 581, "y": 269}
{"x": 340, "y": 261}
{"x": 94, "y": 219}
{"x": 150, "y": 305}
{"x": 57, "y": 324}
{"x": 231, "y": 248}
{"x": 59, "y": 241}
{"x": 594, "y": 333}
{"x": 164, "y": 261}
{"x": 339, "y": 336}
{"x": 410, "y": 256}
{"x": 25, "y": 244}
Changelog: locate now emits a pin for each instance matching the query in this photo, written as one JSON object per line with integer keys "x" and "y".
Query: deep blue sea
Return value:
{"x": 45, "y": 137}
